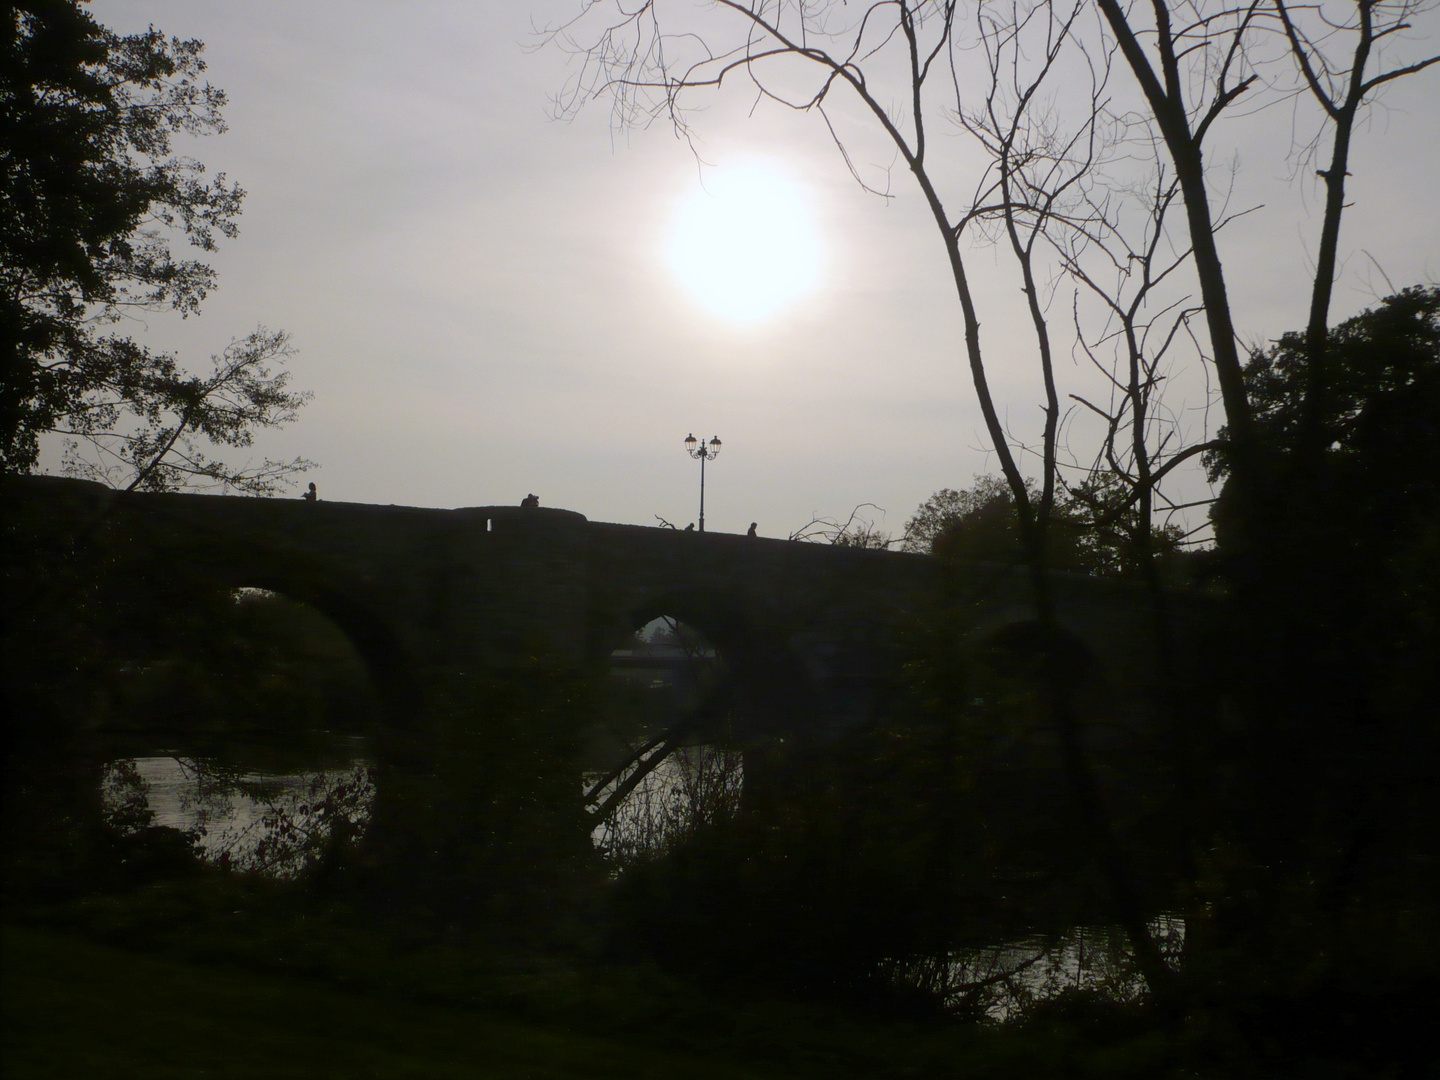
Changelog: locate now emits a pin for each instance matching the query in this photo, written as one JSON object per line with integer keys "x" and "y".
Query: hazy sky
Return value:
{"x": 484, "y": 303}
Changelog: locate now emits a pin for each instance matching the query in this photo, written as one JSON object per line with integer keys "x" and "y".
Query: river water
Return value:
{"x": 273, "y": 822}
{"x": 1000, "y": 981}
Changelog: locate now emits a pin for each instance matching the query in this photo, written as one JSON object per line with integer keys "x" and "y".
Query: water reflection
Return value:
{"x": 691, "y": 788}
{"x": 1000, "y": 982}
{"x": 276, "y": 823}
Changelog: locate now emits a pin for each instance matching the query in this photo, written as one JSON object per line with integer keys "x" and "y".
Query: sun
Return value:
{"x": 745, "y": 245}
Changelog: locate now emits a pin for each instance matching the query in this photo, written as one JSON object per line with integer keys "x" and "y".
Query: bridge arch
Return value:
{"x": 230, "y": 566}
{"x": 774, "y": 690}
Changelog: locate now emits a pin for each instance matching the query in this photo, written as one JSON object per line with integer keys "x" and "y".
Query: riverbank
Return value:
{"x": 221, "y": 976}
{"x": 120, "y": 989}
{"x": 75, "y": 1008}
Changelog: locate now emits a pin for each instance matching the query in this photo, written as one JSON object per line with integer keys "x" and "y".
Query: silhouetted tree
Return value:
{"x": 1350, "y": 670}
{"x": 1113, "y": 533}
{"x": 92, "y": 195}
{"x": 859, "y": 530}
{"x": 1379, "y": 417}
{"x": 1094, "y": 531}
{"x": 985, "y": 512}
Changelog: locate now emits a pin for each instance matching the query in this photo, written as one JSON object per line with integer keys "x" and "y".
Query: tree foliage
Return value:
{"x": 1382, "y": 397}
{"x": 1363, "y": 515}
{"x": 95, "y": 195}
{"x": 145, "y": 430}
{"x": 978, "y": 523}
{"x": 1094, "y": 531}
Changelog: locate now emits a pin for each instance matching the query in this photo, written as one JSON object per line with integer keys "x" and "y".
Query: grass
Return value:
{"x": 74, "y": 1008}
{"x": 219, "y": 975}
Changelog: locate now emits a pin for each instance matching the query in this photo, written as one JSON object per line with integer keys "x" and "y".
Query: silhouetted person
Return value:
{"x": 750, "y": 531}
{"x": 530, "y": 502}
{"x": 310, "y": 496}
{"x": 690, "y": 527}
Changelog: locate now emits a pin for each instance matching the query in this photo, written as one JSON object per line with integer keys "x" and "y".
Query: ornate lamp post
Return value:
{"x": 705, "y": 452}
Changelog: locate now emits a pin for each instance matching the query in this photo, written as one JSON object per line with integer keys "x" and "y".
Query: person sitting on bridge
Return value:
{"x": 751, "y": 531}
{"x": 690, "y": 527}
{"x": 310, "y": 496}
{"x": 530, "y": 502}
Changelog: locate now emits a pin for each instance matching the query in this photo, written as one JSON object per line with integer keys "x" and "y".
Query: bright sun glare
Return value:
{"x": 745, "y": 245}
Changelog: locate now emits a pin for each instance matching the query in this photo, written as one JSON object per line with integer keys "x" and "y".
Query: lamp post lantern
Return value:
{"x": 705, "y": 452}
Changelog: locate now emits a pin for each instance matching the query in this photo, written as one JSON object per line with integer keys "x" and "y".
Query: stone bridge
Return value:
{"x": 810, "y": 631}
